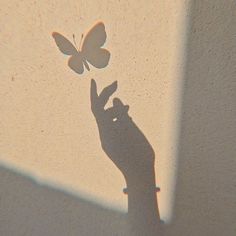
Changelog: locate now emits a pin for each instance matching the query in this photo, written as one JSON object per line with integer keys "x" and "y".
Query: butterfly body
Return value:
{"x": 90, "y": 51}
{"x": 77, "y": 61}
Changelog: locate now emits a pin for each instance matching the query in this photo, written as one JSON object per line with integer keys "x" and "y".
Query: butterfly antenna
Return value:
{"x": 75, "y": 42}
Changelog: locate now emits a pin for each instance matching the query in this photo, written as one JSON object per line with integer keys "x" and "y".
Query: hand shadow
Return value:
{"x": 121, "y": 139}
{"x": 130, "y": 151}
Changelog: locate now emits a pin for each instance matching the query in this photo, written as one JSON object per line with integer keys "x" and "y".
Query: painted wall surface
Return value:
{"x": 175, "y": 63}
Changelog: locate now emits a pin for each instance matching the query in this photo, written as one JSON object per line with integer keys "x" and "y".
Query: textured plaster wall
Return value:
{"x": 175, "y": 66}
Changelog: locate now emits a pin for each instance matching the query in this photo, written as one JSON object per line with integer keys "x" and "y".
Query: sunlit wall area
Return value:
{"x": 47, "y": 127}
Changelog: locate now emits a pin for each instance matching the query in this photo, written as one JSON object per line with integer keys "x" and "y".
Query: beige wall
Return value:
{"x": 175, "y": 66}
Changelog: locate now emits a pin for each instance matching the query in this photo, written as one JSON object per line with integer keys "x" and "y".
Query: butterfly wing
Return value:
{"x": 64, "y": 45}
{"x": 99, "y": 58}
{"x": 91, "y": 47}
{"x": 95, "y": 38}
{"x": 76, "y": 63}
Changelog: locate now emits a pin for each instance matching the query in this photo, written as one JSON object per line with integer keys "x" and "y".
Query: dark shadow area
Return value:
{"x": 127, "y": 147}
{"x": 205, "y": 201}
{"x": 28, "y": 208}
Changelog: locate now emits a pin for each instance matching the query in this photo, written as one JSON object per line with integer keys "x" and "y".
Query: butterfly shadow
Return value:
{"x": 90, "y": 50}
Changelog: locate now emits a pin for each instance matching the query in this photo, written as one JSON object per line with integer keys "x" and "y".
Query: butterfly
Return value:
{"x": 90, "y": 51}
